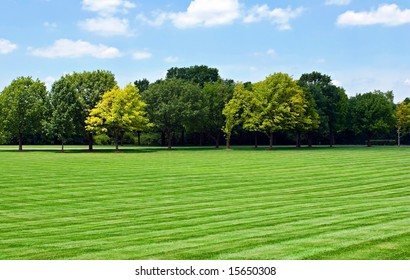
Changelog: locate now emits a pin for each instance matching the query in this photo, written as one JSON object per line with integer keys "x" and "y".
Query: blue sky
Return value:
{"x": 363, "y": 45}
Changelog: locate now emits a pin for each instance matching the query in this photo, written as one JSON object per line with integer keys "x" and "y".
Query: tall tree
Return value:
{"x": 118, "y": 111}
{"x": 331, "y": 102}
{"x": 309, "y": 120}
{"x": 22, "y": 108}
{"x": 172, "y": 105}
{"x": 215, "y": 96}
{"x": 196, "y": 74}
{"x": 278, "y": 102}
{"x": 233, "y": 112}
{"x": 372, "y": 113}
{"x": 402, "y": 119}
{"x": 90, "y": 87}
{"x": 142, "y": 85}
{"x": 66, "y": 109}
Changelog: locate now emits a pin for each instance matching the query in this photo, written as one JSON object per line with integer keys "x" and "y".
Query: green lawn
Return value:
{"x": 322, "y": 203}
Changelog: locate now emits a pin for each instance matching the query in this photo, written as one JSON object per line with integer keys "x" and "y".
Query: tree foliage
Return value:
{"x": 196, "y": 74}
{"x": 402, "y": 119}
{"x": 65, "y": 110}
{"x": 277, "y": 104}
{"x": 372, "y": 113}
{"x": 22, "y": 108}
{"x": 172, "y": 105}
{"x": 233, "y": 112}
{"x": 119, "y": 111}
{"x": 331, "y": 103}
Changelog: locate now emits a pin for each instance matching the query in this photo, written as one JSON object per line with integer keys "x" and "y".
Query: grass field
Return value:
{"x": 321, "y": 203}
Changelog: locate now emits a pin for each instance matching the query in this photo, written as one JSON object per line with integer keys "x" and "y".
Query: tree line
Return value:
{"x": 194, "y": 105}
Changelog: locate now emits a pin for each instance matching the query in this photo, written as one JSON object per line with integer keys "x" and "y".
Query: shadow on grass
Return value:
{"x": 143, "y": 150}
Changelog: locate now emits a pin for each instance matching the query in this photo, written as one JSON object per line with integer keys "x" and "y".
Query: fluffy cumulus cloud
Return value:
{"x": 207, "y": 13}
{"x": 386, "y": 14}
{"x": 278, "y": 16}
{"x": 199, "y": 13}
{"x": 338, "y": 2}
{"x": 107, "y": 26}
{"x": 6, "y": 46}
{"x": 141, "y": 55}
{"x": 65, "y": 48}
{"x": 107, "y": 23}
{"x": 107, "y": 7}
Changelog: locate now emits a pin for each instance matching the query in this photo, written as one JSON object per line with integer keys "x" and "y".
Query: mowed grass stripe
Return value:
{"x": 201, "y": 203}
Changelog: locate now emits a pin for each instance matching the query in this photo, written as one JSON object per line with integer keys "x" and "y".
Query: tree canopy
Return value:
{"x": 22, "y": 108}
{"x": 118, "y": 111}
{"x": 372, "y": 113}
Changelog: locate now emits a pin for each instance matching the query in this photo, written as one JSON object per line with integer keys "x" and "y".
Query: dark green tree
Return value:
{"x": 331, "y": 103}
{"x": 215, "y": 96}
{"x": 142, "y": 85}
{"x": 371, "y": 113}
{"x": 22, "y": 108}
{"x": 196, "y": 74}
{"x": 172, "y": 105}
{"x": 66, "y": 110}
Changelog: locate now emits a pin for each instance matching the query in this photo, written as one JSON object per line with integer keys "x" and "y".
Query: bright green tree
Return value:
{"x": 233, "y": 112}
{"x": 372, "y": 113}
{"x": 277, "y": 104}
{"x": 308, "y": 120}
{"x": 22, "y": 108}
{"x": 402, "y": 119}
{"x": 119, "y": 111}
{"x": 65, "y": 110}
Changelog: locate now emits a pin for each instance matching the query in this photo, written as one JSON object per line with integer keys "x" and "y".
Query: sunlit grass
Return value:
{"x": 342, "y": 203}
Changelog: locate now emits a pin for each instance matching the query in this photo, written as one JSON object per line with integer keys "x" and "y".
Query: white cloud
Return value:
{"x": 338, "y": 2}
{"x": 386, "y": 14}
{"x": 141, "y": 55}
{"x": 206, "y": 13}
{"x": 407, "y": 82}
{"x": 107, "y": 7}
{"x": 65, "y": 48}
{"x": 171, "y": 59}
{"x": 107, "y": 26}
{"x": 278, "y": 16}
{"x": 6, "y": 46}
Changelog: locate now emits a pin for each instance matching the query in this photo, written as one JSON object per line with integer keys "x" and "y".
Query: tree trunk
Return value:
{"x": 116, "y": 140}
{"x": 90, "y": 141}
{"x": 169, "y": 138}
{"x": 271, "y": 141}
{"x": 297, "y": 139}
{"x": 182, "y": 142}
{"x": 62, "y": 145}
{"x": 309, "y": 138}
{"x": 398, "y": 136}
{"x": 255, "y": 139}
{"x": 331, "y": 138}
{"x": 20, "y": 142}
{"x": 217, "y": 138}
{"x": 228, "y": 142}
{"x": 139, "y": 138}
{"x": 201, "y": 139}
{"x": 369, "y": 140}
